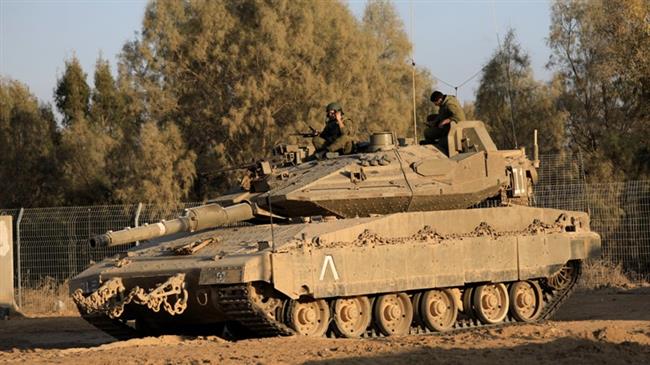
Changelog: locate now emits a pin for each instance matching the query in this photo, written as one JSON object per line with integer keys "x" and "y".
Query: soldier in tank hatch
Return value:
{"x": 438, "y": 124}
{"x": 337, "y": 136}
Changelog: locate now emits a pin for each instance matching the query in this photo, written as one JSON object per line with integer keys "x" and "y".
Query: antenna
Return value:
{"x": 512, "y": 108}
{"x": 415, "y": 121}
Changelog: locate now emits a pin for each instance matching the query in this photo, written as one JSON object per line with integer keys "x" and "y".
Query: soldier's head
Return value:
{"x": 332, "y": 109}
{"x": 436, "y": 97}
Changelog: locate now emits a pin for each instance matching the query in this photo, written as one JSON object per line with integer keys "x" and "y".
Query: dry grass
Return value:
{"x": 49, "y": 298}
{"x": 602, "y": 274}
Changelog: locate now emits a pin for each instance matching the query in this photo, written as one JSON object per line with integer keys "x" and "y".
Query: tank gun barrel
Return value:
{"x": 195, "y": 219}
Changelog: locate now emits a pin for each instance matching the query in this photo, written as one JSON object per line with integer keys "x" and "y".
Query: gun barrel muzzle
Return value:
{"x": 101, "y": 240}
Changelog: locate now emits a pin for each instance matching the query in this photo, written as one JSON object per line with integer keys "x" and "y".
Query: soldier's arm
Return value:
{"x": 438, "y": 115}
{"x": 457, "y": 113}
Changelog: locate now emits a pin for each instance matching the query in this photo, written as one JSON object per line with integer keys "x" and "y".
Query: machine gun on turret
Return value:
{"x": 283, "y": 155}
{"x": 312, "y": 133}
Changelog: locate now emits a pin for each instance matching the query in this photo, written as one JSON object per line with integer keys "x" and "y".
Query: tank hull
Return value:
{"x": 265, "y": 277}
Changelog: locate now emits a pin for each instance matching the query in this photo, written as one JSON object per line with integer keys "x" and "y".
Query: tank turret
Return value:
{"x": 385, "y": 176}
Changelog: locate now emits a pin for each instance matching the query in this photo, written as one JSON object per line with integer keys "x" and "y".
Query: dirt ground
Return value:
{"x": 605, "y": 326}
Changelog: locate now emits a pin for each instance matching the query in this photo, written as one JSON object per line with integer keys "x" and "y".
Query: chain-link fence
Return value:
{"x": 619, "y": 211}
{"x": 560, "y": 169}
{"x": 51, "y": 243}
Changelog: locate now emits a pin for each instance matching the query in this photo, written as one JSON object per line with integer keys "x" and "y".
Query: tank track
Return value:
{"x": 112, "y": 327}
{"x": 236, "y": 302}
{"x": 557, "y": 297}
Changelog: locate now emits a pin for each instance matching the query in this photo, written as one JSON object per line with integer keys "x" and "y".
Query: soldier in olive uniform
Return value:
{"x": 337, "y": 136}
{"x": 438, "y": 125}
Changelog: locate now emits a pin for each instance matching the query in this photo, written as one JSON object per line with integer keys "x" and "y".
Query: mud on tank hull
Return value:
{"x": 403, "y": 273}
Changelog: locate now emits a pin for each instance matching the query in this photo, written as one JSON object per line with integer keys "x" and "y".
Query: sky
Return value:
{"x": 452, "y": 39}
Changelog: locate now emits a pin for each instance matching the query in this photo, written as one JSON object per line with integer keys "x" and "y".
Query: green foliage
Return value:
{"x": 238, "y": 77}
{"x": 513, "y": 104}
{"x": 28, "y": 138}
{"x": 159, "y": 169}
{"x": 107, "y": 103}
{"x": 601, "y": 54}
{"x": 84, "y": 150}
{"x": 113, "y": 151}
{"x": 391, "y": 75}
{"x": 72, "y": 93}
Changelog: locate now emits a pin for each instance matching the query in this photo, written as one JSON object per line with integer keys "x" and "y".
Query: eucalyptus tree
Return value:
{"x": 601, "y": 56}
{"x": 513, "y": 104}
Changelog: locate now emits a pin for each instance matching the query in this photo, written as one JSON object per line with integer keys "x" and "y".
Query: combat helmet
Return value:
{"x": 334, "y": 106}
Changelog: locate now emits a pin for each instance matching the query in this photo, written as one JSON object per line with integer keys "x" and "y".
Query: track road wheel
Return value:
{"x": 526, "y": 301}
{"x": 438, "y": 310}
{"x": 415, "y": 302}
{"x": 468, "y": 308}
{"x": 491, "y": 303}
{"x": 393, "y": 314}
{"x": 352, "y": 316}
{"x": 308, "y": 317}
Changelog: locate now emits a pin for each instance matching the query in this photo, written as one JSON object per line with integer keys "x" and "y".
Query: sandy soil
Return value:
{"x": 607, "y": 326}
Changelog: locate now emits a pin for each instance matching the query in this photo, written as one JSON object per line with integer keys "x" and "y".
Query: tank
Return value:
{"x": 394, "y": 239}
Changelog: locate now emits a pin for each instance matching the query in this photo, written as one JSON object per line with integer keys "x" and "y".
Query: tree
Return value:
{"x": 160, "y": 168}
{"x": 601, "y": 55}
{"x": 392, "y": 74}
{"x": 72, "y": 93}
{"x": 85, "y": 145}
{"x": 107, "y": 102}
{"x": 84, "y": 155}
{"x": 238, "y": 77}
{"x": 513, "y": 104}
{"x": 28, "y": 140}
{"x": 112, "y": 155}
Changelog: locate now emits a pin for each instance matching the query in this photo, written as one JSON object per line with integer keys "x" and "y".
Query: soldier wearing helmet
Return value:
{"x": 337, "y": 136}
{"x": 438, "y": 125}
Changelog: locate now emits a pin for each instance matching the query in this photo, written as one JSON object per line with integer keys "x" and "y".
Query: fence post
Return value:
{"x": 137, "y": 219}
{"x": 7, "y": 286}
{"x": 20, "y": 281}
{"x": 583, "y": 181}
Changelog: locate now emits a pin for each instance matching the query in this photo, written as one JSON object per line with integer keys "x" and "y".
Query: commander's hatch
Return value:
{"x": 469, "y": 136}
